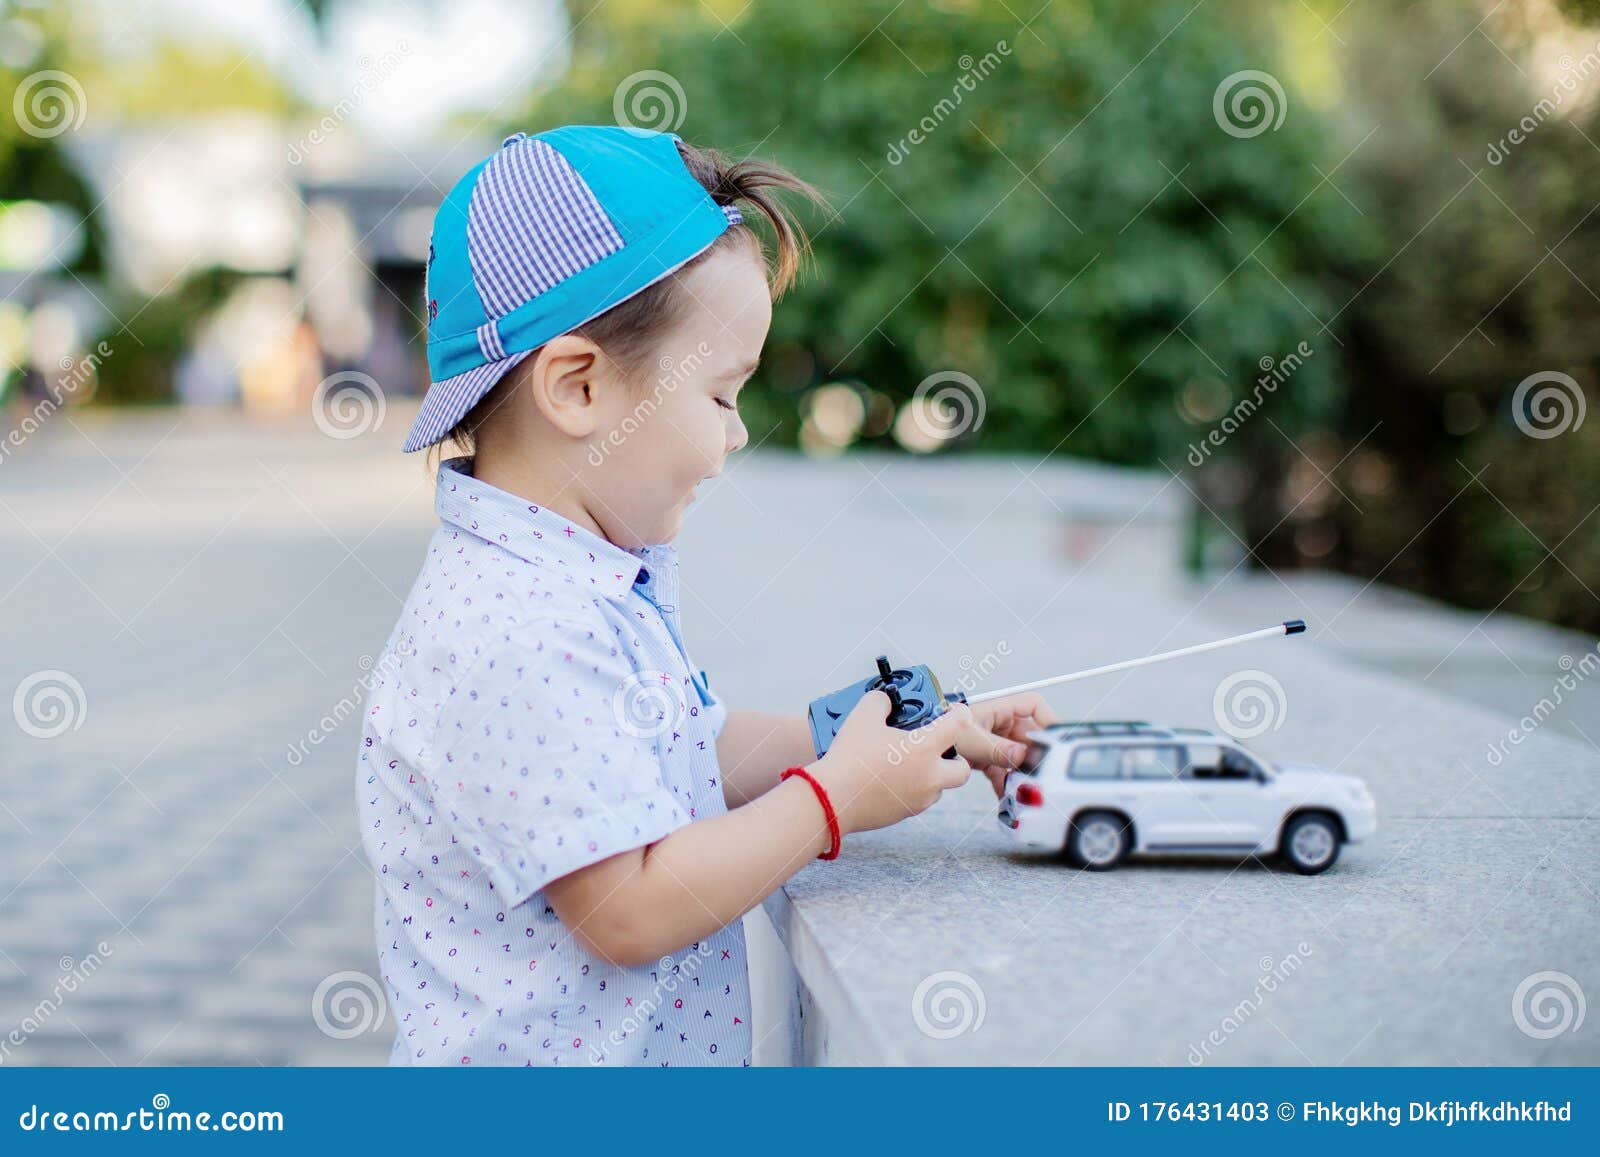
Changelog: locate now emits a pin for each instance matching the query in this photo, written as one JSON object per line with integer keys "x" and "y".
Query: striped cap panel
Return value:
{"x": 489, "y": 342}
{"x": 532, "y": 224}
{"x": 448, "y": 401}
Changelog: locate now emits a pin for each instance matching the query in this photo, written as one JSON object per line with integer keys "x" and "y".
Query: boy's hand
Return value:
{"x": 877, "y": 775}
{"x": 1001, "y": 740}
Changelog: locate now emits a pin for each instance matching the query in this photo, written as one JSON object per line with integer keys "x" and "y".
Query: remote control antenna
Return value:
{"x": 1292, "y": 627}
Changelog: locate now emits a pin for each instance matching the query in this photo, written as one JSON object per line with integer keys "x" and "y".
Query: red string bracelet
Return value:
{"x": 836, "y": 841}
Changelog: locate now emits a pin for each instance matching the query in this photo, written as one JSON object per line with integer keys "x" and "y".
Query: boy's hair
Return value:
{"x": 629, "y": 331}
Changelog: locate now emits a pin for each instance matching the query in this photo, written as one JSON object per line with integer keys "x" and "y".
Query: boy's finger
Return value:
{"x": 953, "y": 772}
{"x": 1042, "y": 714}
{"x": 1030, "y": 711}
{"x": 947, "y": 727}
{"x": 984, "y": 747}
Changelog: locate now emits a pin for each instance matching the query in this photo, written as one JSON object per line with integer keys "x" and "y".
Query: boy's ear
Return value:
{"x": 563, "y": 381}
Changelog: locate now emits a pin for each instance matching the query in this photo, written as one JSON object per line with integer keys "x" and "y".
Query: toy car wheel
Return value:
{"x": 1310, "y": 844}
{"x": 1098, "y": 841}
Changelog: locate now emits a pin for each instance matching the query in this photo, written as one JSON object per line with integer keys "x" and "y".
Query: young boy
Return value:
{"x": 566, "y": 824}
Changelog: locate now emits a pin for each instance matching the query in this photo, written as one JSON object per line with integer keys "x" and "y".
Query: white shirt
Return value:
{"x": 534, "y": 712}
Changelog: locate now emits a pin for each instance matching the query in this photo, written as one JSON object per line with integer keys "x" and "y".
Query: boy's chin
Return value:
{"x": 672, "y": 523}
{"x": 673, "y": 519}
{"x": 665, "y": 526}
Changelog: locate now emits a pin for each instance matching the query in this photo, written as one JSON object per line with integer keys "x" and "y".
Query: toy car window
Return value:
{"x": 1237, "y": 765}
{"x": 1031, "y": 761}
{"x": 1204, "y": 761}
{"x": 1096, "y": 761}
{"x": 1151, "y": 762}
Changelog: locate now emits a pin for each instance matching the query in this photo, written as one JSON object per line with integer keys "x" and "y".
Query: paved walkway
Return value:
{"x": 212, "y": 587}
{"x": 1454, "y": 937}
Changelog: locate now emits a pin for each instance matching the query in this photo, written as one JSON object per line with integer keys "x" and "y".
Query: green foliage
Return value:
{"x": 175, "y": 77}
{"x": 1079, "y": 234}
{"x": 1074, "y": 229}
{"x": 34, "y": 167}
{"x": 1489, "y": 250}
{"x": 155, "y": 336}
{"x": 1045, "y": 198}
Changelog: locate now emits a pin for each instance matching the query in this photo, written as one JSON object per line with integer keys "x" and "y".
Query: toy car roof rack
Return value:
{"x": 1097, "y": 727}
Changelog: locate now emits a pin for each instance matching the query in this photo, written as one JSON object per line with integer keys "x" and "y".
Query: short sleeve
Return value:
{"x": 533, "y": 765}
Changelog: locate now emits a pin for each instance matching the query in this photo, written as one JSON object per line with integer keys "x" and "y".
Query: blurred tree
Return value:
{"x": 55, "y": 83}
{"x": 178, "y": 79}
{"x": 33, "y": 165}
{"x": 1048, "y": 204}
{"x": 1471, "y": 488}
{"x": 157, "y": 334}
{"x": 39, "y": 108}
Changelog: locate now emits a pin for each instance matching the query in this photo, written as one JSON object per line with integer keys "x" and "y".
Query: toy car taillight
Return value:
{"x": 1029, "y": 795}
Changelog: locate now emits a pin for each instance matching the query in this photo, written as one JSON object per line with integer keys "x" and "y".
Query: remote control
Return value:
{"x": 915, "y": 697}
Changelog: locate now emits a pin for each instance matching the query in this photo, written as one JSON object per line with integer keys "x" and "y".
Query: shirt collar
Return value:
{"x": 541, "y": 535}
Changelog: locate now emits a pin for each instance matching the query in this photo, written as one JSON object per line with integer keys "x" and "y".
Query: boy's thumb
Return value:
{"x": 874, "y": 703}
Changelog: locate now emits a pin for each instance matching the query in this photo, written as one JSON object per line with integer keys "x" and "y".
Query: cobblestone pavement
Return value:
{"x": 191, "y": 603}
{"x": 215, "y": 590}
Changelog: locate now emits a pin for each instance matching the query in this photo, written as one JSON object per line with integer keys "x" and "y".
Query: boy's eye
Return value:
{"x": 725, "y": 403}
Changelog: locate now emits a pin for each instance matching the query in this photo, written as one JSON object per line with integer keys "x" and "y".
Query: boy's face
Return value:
{"x": 669, "y": 433}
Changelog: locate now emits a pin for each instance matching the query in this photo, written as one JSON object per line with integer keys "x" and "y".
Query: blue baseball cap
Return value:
{"x": 548, "y": 233}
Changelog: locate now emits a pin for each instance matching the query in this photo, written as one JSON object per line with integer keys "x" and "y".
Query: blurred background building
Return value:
{"x": 1334, "y": 265}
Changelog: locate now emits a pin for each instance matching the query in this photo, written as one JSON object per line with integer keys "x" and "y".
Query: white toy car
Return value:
{"x": 1099, "y": 791}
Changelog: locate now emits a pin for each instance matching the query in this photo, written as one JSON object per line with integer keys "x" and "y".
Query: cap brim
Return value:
{"x": 447, "y": 401}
